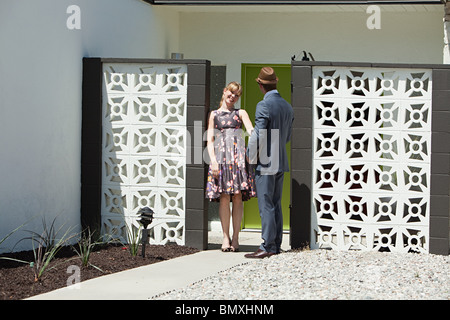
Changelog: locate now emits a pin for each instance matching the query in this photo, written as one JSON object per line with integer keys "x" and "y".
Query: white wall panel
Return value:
{"x": 371, "y": 165}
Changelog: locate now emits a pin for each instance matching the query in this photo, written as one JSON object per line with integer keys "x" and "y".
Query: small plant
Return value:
{"x": 6, "y": 237}
{"x": 48, "y": 245}
{"x": 11, "y": 233}
{"x": 85, "y": 247}
{"x": 134, "y": 239}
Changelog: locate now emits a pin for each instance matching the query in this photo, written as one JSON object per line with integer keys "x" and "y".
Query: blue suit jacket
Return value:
{"x": 273, "y": 129}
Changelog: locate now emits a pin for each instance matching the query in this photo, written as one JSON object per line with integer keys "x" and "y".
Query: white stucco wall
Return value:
{"x": 407, "y": 35}
{"x": 446, "y": 50}
{"x": 40, "y": 97}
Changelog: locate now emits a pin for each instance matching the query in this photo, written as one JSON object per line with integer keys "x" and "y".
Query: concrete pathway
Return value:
{"x": 148, "y": 281}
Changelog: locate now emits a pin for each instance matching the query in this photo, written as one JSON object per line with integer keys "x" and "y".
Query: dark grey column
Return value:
{"x": 301, "y": 156}
{"x": 198, "y": 108}
{"x": 91, "y": 145}
{"x": 440, "y": 161}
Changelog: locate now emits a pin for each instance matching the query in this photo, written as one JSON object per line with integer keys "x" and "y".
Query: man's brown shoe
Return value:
{"x": 259, "y": 254}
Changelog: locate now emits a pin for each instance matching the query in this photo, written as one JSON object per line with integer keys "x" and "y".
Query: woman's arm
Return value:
{"x": 246, "y": 120}
{"x": 210, "y": 145}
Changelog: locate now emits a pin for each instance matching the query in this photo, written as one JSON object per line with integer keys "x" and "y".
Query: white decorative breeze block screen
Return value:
{"x": 144, "y": 149}
{"x": 371, "y": 164}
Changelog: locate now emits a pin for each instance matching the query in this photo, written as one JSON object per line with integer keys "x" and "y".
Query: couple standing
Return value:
{"x": 231, "y": 178}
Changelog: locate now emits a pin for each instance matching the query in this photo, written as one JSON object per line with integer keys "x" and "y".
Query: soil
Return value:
{"x": 17, "y": 280}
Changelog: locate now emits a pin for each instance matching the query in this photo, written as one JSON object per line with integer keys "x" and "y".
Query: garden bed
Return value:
{"x": 17, "y": 280}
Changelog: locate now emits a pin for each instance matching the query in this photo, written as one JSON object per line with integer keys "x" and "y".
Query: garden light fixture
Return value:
{"x": 146, "y": 215}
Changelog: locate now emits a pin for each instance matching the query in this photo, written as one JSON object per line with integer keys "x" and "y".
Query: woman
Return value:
{"x": 228, "y": 177}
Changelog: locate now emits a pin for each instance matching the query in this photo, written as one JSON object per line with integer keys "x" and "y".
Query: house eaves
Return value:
{"x": 294, "y": 2}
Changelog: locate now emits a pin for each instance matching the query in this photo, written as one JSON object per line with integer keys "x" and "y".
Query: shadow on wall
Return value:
{"x": 300, "y": 215}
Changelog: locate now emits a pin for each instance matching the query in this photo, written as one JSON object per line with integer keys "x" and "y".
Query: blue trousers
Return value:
{"x": 269, "y": 189}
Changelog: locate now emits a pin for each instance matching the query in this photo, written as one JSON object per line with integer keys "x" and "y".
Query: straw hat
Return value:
{"x": 267, "y": 76}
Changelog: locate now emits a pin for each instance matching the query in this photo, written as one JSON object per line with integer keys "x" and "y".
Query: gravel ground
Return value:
{"x": 328, "y": 275}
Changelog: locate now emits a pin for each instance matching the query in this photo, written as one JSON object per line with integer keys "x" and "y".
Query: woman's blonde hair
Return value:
{"x": 234, "y": 87}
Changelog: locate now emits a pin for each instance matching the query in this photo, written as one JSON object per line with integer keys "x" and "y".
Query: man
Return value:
{"x": 267, "y": 149}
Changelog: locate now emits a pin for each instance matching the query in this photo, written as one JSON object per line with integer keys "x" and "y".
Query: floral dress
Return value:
{"x": 235, "y": 174}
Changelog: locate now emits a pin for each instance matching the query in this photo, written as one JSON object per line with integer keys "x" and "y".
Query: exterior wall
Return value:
{"x": 249, "y": 35}
{"x": 232, "y": 37}
{"x": 447, "y": 33}
{"x": 434, "y": 180}
{"x": 41, "y": 67}
{"x": 447, "y": 39}
{"x": 40, "y": 89}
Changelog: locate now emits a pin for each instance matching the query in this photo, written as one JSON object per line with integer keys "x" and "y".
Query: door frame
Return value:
{"x": 285, "y": 91}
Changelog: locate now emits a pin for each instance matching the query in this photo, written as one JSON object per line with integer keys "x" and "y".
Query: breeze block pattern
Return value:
{"x": 370, "y": 167}
{"x": 371, "y": 162}
{"x": 146, "y": 148}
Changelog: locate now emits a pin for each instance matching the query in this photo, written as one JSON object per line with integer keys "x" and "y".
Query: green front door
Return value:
{"x": 250, "y": 97}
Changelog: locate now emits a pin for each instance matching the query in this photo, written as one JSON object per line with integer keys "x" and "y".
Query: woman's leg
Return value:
{"x": 224, "y": 214}
{"x": 238, "y": 211}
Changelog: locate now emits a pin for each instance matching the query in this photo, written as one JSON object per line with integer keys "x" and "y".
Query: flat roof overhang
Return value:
{"x": 294, "y": 2}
